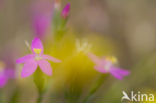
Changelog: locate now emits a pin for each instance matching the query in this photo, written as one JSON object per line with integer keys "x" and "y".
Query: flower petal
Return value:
{"x": 29, "y": 68}
{"x": 119, "y": 73}
{"x": 100, "y": 69}
{"x": 37, "y": 44}
{"x": 122, "y": 72}
{"x": 24, "y": 59}
{"x": 116, "y": 75}
{"x": 95, "y": 59}
{"x": 51, "y": 58}
{"x": 45, "y": 67}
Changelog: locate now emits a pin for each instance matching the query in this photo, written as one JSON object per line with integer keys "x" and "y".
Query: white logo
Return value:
{"x": 137, "y": 97}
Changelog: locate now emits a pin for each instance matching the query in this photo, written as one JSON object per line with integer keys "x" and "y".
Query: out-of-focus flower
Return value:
{"x": 106, "y": 65}
{"x": 65, "y": 11}
{"x": 37, "y": 58}
{"x": 41, "y": 17}
{"x": 5, "y": 74}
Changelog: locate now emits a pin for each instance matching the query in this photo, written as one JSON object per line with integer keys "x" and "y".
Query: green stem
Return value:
{"x": 1, "y": 99}
{"x": 94, "y": 89}
{"x": 15, "y": 96}
{"x": 40, "y": 81}
{"x": 39, "y": 100}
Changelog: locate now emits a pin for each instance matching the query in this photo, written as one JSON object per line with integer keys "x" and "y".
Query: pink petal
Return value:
{"x": 45, "y": 67}
{"x": 29, "y": 68}
{"x": 116, "y": 75}
{"x": 24, "y": 59}
{"x": 95, "y": 59}
{"x": 3, "y": 81}
{"x": 36, "y": 44}
{"x": 51, "y": 58}
{"x": 100, "y": 69}
{"x": 119, "y": 73}
{"x": 122, "y": 72}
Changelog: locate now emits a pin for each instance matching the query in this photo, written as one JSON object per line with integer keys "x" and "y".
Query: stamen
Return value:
{"x": 112, "y": 59}
{"x": 83, "y": 46}
{"x": 37, "y": 51}
{"x": 37, "y": 57}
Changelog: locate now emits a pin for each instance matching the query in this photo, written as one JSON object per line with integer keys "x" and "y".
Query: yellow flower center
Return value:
{"x": 112, "y": 59}
{"x": 37, "y": 51}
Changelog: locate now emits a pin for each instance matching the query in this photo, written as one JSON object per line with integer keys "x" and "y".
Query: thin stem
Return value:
{"x": 39, "y": 100}
{"x": 94, "y": 89}
{"x": 1, "y": 100}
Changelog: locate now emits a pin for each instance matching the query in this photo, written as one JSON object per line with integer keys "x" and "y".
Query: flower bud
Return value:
{"x": 65, "y": 11}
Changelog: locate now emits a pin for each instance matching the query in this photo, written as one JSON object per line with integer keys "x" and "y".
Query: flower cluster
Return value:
{"x": 39, "y": 65}
{"x": 103, "y": 65}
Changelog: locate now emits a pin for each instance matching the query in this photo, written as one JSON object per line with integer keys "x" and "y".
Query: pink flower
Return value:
{"x": 32, "y": 61}
{"x": 41, "y": 17}
{"x": 5, "y": 75}
{"x": 65, "y": 11}
{"x": 3, "y": 80}
{"x": 106, "y": 65}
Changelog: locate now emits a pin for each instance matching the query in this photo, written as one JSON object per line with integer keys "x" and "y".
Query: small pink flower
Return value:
{"x": 3, "y": 80}
{"x": 5, "y": 74}
{"x": 32, "y": 61}
{"x": 65, "y": 11}
{"x": 41, "y": 17}
{"x": 106, "y": 65}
